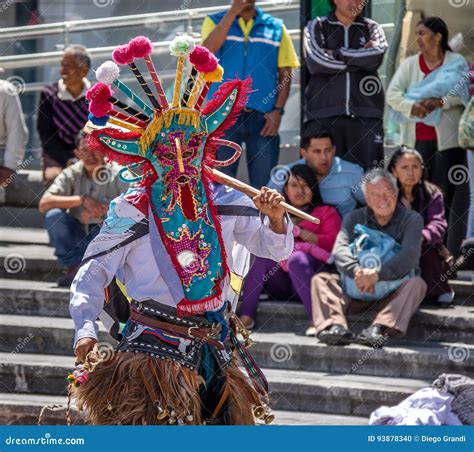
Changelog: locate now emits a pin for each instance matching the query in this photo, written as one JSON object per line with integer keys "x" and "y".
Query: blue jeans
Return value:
{"x": 68, "y": 236}
{"x": 262, "y": 152}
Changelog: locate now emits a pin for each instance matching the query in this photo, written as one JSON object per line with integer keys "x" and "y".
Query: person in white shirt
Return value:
{"x": 13, "y": 131}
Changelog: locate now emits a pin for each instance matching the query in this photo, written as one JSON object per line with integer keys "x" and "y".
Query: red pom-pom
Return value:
{"x": 122, "y": 55}
{"x": 210, "y": 66}
{"x": 100, "y": 109}
{"x": 203, "y": 60}
{"x": 140, "y": 47}
{"x": 100, "y": 92}
{"x": 200, "y": 55}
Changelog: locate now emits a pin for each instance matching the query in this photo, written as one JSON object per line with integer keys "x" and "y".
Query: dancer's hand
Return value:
{"x": 268, "y": 202}
{"x": 83, "y": 347}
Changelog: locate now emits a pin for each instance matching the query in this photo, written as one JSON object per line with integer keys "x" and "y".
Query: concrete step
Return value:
{"x": 32, "y": 236}
{"x": 40, "y": 298}
{"x": 34, "y": 334}
{"x": 30, "y": 246}
{"x": 346, "y": 394}
{"x": 35, "y": 262}
{"x": 424, "y": 360}
{"x": 316, "y": 392}
{"x": 21, "y": 217}
{"x": 26, "y": 297}
{"x": 428, "y": 324}
{"x": 24, "y": 409}
{"x": 403, "y": 359}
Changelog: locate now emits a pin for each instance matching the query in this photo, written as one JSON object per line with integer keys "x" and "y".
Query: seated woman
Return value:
{"x": 427, "y": 199}
{"x": 313, "y": 246}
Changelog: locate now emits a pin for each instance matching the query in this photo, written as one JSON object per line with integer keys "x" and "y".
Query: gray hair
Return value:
{"x": 376, "y": 175}
{"x": 80, "y": 53}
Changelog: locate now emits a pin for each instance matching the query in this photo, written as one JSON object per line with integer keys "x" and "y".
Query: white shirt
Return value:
{"x": 136, "y": 265}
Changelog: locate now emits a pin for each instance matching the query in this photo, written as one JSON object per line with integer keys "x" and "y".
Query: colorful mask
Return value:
{"x": 173, "y": 146}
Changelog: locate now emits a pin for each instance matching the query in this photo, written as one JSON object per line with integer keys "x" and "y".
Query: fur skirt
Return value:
{"x": 138, "y": 389}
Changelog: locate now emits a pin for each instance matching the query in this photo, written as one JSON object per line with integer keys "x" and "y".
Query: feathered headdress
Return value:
{"x": 174, "y": 144}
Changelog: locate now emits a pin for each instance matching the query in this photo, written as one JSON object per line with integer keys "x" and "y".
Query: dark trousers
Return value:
{"x": 262, "y": 152}
{"x": 358, "y": 140}
{"x": 448, "y": 170}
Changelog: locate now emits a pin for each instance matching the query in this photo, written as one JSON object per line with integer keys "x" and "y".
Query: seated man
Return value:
{"x": 392, "y": 312}
{"x": 339, "y": 180}
{"x": 76, "y": 204}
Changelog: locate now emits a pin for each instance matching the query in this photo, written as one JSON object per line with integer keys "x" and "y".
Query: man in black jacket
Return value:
{"x": 344, "y": 95}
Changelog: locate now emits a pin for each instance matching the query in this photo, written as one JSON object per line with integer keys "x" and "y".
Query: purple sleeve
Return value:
{"x": 435, "y": 223}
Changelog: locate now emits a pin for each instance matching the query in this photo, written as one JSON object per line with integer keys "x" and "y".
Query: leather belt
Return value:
{"x": 202, "y": 333}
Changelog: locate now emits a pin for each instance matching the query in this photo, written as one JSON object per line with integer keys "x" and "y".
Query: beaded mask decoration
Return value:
{"x": 173, "y": 147}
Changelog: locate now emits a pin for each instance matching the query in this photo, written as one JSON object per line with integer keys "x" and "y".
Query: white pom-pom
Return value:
{"x": 182, "y": 45}
{"x": 107, "y": 72}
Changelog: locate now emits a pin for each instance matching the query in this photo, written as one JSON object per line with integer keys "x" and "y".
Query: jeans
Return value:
{"x": 262, "y": 152}
{"x": 68, "y": 236}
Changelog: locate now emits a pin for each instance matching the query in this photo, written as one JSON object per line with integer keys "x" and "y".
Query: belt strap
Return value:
{"x": 202, "y": 333}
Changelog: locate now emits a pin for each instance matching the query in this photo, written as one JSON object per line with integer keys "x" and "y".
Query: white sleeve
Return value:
{"x": 87, "y": 291}
{"x": 397, "y": 89}
{"x": 255, "y": 234}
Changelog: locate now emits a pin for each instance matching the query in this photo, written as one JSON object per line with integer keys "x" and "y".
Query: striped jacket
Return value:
{"x": 59, "y": 121}
{"x": 343, "y": 81}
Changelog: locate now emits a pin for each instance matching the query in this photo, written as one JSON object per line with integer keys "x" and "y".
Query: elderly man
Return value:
{"x": 76, "y": 204}
{"x": 392, "y": 312}
{"x": 62, "y": 111}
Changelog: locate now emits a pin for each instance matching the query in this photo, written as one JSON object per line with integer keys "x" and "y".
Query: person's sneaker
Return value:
{"x": 373, "y": 336}
{"x": 67, "y": 277}
{"x": 310, "y": 331}
{"x": 446, "y": 300}
{"x": 336, "y": 335}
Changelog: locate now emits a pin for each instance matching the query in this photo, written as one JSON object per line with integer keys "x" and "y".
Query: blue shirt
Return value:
{"x": 341, "y": 188}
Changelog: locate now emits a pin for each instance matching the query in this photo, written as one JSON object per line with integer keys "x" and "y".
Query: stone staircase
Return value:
{"x": 311, "y": 383}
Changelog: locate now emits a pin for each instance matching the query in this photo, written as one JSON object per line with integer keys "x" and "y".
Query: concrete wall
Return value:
{"x": 458, "y": 14}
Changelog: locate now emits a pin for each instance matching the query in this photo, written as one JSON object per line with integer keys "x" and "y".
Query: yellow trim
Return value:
{"x": 185, "y": 116}
{"x": 125, "y": 125}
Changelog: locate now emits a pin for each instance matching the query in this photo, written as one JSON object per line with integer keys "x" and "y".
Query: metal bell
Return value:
{"x": 269, "y": 418}
{"x": 189, "y": 418}
{"x": 259, "y": 412}
{"x": 109, "y": 406}
{"x": 162, "y": 414}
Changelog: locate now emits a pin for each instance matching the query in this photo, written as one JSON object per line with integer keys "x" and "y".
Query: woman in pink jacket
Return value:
{"x": 290, "y": 279}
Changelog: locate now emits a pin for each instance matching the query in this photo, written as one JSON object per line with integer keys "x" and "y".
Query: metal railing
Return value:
{"x": 36, "y": 31}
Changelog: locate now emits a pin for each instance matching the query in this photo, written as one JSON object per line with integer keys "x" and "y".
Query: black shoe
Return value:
{"x": 66, "y": 279}
{"x": 373, "y": 336}
{"x": 336, "y": 335}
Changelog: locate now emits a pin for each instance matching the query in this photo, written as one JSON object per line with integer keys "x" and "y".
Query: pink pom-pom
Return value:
{"x": 100, "y": 92}
{"x": 203, "y": 60}
{"x": 210, "y": 66}
{"x": 140, "y": 47}
{"x": 200, "y": 55}
{"x": 122, "y": 55}
{"x": 100, "y": 109}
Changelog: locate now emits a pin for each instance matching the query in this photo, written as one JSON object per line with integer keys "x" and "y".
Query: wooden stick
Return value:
{"x": 250, "y": 191}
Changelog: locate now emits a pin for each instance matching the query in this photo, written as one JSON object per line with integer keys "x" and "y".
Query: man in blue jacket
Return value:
{"x": 251, "y": 43}
{"x": 344, "y": 94}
